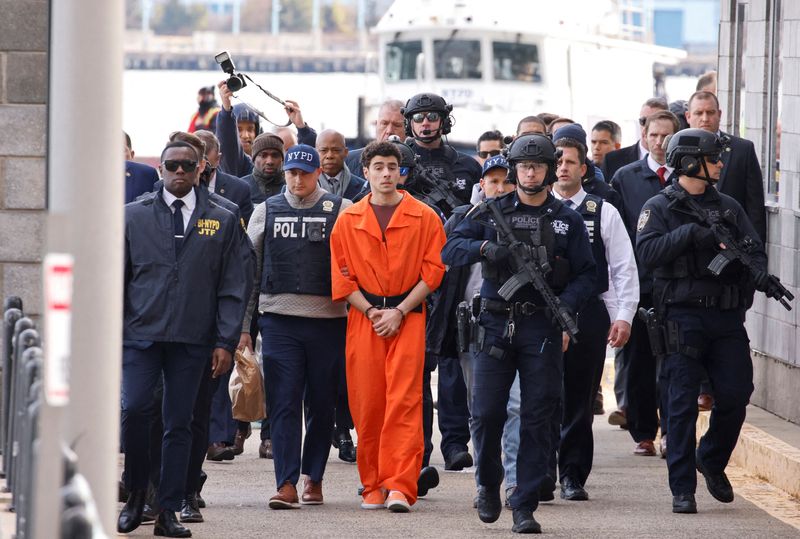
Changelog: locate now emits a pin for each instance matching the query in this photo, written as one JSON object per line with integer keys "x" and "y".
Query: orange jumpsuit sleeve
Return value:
{"x": 432, "y": 270}
{"x": 341, "y": 286}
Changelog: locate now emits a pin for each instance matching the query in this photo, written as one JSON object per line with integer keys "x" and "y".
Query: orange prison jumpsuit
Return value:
{"x": 384, "y": 375}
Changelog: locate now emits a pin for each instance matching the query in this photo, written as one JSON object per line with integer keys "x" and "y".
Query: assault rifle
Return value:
{"x": 532, "y": 265}
{"x": 734, "y": 250}
{"x": 433, "y": 190}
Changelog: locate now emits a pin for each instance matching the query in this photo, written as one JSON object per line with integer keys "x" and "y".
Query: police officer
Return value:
{"x": 703, "y": 312}
{"x": 583, "y": 362}
{"x": 427, "y": 120}
{"x": 519, "y": 334}
{"x": 184, "y": 299}
{"x": 303, "y": 331}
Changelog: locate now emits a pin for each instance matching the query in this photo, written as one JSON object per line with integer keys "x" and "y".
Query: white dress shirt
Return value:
{"x": 189, "y": 202}
{"x": 654, "y": 166}
{"x": 642, "y": 151}
{"x": 622, "y": 296}
{"x": 212, "y": 182}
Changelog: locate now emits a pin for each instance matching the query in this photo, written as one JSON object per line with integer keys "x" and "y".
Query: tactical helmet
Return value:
{"x": 428, "y": 103}
{"x": 244, "y": 113}
{"x": 686, "y": 149}
{"x": 407, "y": 154}
{"x": 537, "y": 148}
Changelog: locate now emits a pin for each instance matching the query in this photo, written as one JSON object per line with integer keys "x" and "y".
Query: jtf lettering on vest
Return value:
{"x": 292, "y": 227}
{"x": 207, "y": 227}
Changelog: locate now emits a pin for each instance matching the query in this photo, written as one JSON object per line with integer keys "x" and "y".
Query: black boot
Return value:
{"x": 524, "y": 522}
{"x": 489, "y": 504}
{"x": 190, "y": 512}
{"x": 344, "y": 442}
{"x": 131, "y": 515}
{"x": 168, "y": 526}
{"x": 428, "y": 479}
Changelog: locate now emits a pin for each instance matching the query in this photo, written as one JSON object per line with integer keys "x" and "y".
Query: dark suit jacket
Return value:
{"x": 741, "y": 179}
{"x": 619, "y": 158}
{"x": 139, "y": 179}
{"x": 237, "y": 191}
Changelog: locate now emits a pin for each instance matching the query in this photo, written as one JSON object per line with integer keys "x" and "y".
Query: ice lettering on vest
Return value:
{"x": 560, "y": 227}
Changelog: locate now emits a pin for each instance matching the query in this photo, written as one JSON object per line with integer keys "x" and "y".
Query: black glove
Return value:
{"x": 761, "y": 280}
{"x": 496, "y": 253}
{"x": 703, "y": 237}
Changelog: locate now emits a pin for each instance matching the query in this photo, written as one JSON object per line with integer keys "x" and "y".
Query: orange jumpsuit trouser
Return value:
{"x": 384, "y": 381}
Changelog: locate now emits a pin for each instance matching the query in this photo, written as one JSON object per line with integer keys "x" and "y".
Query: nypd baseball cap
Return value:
{"x": 498, "y": 161}
{"x": 301, "y": 156}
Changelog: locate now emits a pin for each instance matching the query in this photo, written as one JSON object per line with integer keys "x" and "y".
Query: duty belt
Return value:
{"x": 706, "y": 302}
{"x": 387, "y": 302}
{"x": 518, "y": 308}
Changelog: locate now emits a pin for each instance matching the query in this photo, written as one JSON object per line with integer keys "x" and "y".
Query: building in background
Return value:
{"x": 759, "y": 92}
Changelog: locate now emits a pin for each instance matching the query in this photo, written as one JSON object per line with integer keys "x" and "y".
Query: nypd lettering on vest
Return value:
{"x": 296, "y": 251}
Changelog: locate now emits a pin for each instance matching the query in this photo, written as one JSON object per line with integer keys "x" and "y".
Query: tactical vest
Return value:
{"x": 590, "y": 210}
{"x": 440, "y": 164}
{"x": 297, "y": 257}
{"x": 536, "y": 231}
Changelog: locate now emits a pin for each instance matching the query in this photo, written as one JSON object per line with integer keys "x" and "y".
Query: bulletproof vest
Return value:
{"x": 440, "y": 164}
{"x": 535, "y": 231}
{"x": 297, "y": 258}
{"x": 590, "y": 210}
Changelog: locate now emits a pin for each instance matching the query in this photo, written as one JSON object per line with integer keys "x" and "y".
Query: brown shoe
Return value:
{"x": 618, "y": 418}
{"x": 312, "y": 493}
{"x": 219, "y": 452}
{"x": 705, "y": 402}
{"x": 265, "y": 449}
{"x": 645, "y": 448}
{"x": 238, "y": 441}
{"x": 286, "y": 498}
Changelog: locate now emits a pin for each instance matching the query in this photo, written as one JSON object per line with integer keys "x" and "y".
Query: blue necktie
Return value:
{"x": 569, "y": 204}
{"x": 177, "y": 223}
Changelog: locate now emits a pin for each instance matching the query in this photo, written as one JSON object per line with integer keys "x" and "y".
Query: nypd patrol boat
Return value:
{"x": 499, "y": 61}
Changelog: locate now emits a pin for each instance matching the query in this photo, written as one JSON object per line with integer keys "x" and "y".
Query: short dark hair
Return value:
{"x": 572, "y": 143}
{"x": 706, "y": 79}
{"x": 560, "y": 119}
{"x": 494, "y": 134}
{"x": 531, "y": 119}
{"x": 384, "y": 149}
{"x": 192, "y": 140}
{"x": 663, "y": 115}
{"x": 657, "y": 103}
{"x": 177, "y": 144}
{"x": 547, "y": 117}
{"x": 702, "y": 95}
{"x": 612, "y": 127}
{"x": 127, "y": 140}
{"x": 210, "y": 139}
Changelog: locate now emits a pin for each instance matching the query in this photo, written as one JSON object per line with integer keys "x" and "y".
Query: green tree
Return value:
{"x": 174, "y": 18}
{"x": 296, "y": 15}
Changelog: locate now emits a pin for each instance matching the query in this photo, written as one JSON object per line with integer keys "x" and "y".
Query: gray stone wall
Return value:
{"x": 23, "y": 140}
{"x": 773, "y": 330}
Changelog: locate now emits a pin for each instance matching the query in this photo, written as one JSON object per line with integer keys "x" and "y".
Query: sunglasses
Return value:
{"x": 714, "y": 159}
{"x": 420, "y": 116}
{"x": 642, "y": 121}
{"x": 487, "y": 153}
{"x": 186, "y": 165}
{"x": 404, "y": 171}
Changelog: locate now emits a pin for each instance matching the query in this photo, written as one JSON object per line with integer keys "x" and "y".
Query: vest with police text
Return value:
{"x": 297, "y": 257}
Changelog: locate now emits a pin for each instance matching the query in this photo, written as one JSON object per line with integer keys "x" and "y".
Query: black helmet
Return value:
{"x": 428, "y": 103}
{"x": 537, "y": 148}
{"x": 407, "y": 154}
{"x": 686, "y": 149}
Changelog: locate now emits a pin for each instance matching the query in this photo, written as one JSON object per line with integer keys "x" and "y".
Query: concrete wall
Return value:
{"x": 23, "y": 135}
{"x": 773, "y": 330}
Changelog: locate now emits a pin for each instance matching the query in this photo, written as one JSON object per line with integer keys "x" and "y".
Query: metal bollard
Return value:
{"x": 10, "y": 317}
{"x": 28, "y": 445}
{"x": 25, "y": 339}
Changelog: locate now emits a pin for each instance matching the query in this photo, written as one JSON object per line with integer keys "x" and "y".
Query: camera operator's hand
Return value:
{"x": 225, "y": 95}
{"x": 294, "y": 113}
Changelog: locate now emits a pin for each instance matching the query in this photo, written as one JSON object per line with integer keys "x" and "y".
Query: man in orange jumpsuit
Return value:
{"x": 385, "y": 259}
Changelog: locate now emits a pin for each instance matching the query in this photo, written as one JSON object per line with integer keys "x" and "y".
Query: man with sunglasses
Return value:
{"x": 703, "y": 313}
{"x": 427, "y": 120}
{"x": 490, "y": 144}
{"x": 184, "y": 300}
{"x": 638, "y": 150}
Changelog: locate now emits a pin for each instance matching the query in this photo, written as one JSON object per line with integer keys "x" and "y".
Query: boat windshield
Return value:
{"x": 516, "y": 61}
{"x": 457, "y": 59}
{"x": 401, "y": 60}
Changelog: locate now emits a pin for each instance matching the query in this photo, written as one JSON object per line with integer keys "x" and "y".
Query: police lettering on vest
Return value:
{"x": 296, "y": 252}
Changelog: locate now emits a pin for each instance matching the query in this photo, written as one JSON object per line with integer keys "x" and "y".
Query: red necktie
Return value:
{"x": 661, "y": 172}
